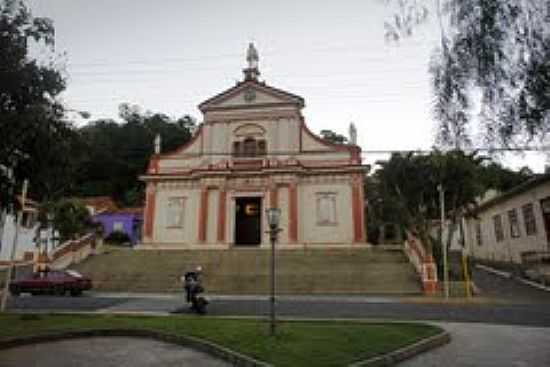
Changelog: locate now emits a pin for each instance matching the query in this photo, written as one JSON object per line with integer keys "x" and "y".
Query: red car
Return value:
{"x": 52, "y": 282}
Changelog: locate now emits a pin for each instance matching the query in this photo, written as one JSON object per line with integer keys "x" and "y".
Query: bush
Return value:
{"x": 117, "y": 237}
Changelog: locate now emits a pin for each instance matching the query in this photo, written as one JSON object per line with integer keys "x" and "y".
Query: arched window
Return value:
{"x": 250, "y": 147}
{"x": 262, "y": 150}
{"x": 237, "y": 149}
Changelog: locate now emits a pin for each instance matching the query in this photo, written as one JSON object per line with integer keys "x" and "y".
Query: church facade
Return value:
{"x": 253, "y": 151}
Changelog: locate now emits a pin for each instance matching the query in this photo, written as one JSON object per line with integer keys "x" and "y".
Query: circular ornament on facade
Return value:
{"x": 249, "y": 95}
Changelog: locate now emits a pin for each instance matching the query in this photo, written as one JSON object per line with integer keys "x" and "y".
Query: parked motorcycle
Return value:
{"x": 193, "y": 290}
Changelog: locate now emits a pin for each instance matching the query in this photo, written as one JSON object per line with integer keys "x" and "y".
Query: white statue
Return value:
{"x": 352, "y": 134}
{"x": 252, "y": 56}
{"x": 157, "y": 144}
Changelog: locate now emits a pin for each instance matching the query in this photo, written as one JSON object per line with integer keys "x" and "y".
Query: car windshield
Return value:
{"x": 74, "y": 273}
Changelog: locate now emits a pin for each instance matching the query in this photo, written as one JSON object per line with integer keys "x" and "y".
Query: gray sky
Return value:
{"x": 170, "y": 55}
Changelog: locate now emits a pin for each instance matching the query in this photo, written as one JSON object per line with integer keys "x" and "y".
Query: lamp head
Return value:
{"x": 273, "y": 217}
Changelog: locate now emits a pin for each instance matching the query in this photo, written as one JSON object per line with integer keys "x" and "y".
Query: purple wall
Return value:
{"x": 131, "y": 224}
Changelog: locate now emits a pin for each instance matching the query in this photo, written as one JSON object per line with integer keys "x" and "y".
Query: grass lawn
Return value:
{"x": 297, "y": 343}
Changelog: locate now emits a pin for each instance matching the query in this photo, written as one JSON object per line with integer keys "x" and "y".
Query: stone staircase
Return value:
{"x": 362, "y": 271}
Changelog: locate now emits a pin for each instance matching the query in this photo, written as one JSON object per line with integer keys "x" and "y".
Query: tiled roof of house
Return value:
{"x": 133, "y": 210}
{"x": 527, "y": 185}
{"x": 100, "y": 203}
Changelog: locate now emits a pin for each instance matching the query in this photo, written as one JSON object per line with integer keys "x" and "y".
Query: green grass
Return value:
{"x": 297, "y": 343}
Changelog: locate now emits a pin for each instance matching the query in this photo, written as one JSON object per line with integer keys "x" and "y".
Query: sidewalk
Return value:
{"x": 478, "y": 344}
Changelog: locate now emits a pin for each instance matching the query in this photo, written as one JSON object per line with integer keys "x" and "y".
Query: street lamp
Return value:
{"x": 273, "y": 218}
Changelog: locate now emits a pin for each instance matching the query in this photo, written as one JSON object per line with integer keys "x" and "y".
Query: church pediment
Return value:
{"x": 251, "y": 93}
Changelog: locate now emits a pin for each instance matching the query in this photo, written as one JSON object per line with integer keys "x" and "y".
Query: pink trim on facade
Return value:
{"x": 203, "y": 215}
{"x": 293, "y": 213}
{"x": 354, "y": 150}
{"x": 222, "y": 203}
{"x": 356, "y": 207}
{"x": 149, "y": 212}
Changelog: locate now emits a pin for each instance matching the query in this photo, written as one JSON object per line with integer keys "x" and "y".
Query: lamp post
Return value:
{"x": 273, "y": 217}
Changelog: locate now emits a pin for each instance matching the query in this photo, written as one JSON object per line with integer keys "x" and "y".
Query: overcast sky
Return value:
{"x": 170, "y": 55}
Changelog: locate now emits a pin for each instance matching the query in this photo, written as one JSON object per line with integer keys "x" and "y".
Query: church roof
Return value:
{"x": 283, "y": 97}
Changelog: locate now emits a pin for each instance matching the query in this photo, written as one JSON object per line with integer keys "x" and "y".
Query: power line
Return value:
{"x": 366, "y": 152}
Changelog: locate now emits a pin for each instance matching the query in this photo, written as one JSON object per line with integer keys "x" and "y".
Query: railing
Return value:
{"x": 72, "y": 251}
{"x": 422, "y": 261}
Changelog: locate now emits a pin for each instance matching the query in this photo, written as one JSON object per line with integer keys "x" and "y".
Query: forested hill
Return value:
{"x": 113, "y": 154}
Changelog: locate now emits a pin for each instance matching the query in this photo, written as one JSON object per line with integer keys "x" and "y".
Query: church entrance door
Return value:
{"x": 248, "y": 214}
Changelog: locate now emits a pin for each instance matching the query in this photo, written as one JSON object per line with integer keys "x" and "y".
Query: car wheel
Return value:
{"x": 59, "y": 290}
{"x": 15, "y": 291}
{"x": 76, "y": 292}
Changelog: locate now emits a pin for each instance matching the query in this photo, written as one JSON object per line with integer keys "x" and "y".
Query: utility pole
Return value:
{"x": 443, "y": 245}
{"x": 14, "y": 247}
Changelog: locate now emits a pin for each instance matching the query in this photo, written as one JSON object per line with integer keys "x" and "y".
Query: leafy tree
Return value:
{"x": 496, "y": 49}
{"x": 117, "y": 153}
{"x": 404, "y": 190}
{"x": 333, "y": 137}
{"x": 70, "y": 217}
{"x": 35, "y": 141}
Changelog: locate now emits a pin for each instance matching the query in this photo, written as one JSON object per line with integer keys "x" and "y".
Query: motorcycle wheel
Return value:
{"x": 200, "y": 306}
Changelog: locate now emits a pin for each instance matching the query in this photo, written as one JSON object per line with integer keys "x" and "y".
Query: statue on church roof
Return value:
{"x": 252, "y": 56}
{"x": 252, "y": 72}
{"x": 352, "y": 134}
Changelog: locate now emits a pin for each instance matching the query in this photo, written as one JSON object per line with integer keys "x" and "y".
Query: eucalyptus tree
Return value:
{"x": 492, "y": 53}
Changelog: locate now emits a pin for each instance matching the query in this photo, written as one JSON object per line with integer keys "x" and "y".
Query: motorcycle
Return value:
{"x": 193, "y": 289}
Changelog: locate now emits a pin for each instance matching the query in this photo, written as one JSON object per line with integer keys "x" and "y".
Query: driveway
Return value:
{"x": 487, "y": 345}
{"x": 508, "y": 289}
{"x": 106, "y": 352}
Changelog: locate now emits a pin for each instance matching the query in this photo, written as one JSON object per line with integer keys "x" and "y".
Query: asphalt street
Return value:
{"x": 522, "y": 305}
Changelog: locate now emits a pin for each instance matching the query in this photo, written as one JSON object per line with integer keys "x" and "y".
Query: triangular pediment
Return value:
{"x": 250, "y": 94}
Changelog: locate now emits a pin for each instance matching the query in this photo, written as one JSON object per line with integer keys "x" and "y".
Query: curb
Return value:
{"x": 488, "y": 269}
{"x": 226, "y": 354}
{"x": 407, "y": 352}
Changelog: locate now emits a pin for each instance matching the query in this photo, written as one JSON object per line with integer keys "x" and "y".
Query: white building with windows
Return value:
{"x": 513, "y": 223}
{"x": 254, "y": 151}
{"x": 27, "y": 233}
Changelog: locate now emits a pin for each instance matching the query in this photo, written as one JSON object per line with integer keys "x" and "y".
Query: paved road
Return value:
{"x": 106, "y": 352}
{"x": 520, "y": 314}
{"x": 485, "y": 345}
{"x": 524, "y": 305}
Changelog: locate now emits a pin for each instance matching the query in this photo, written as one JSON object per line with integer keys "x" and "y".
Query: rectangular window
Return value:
{"x": 326, "y": 208}
{"x": 499, "y": 232}
{"x": 176, "y": 206}
{"x": 514, "y": 223}
{"x": 479, "y": 238}
{"x": 529, "y": 219}
{"x": 118, "y": 227}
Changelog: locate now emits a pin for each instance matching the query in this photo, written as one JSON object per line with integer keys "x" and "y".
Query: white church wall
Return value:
{"x": 163, "y": 232}
{"x": 337, "y": 230}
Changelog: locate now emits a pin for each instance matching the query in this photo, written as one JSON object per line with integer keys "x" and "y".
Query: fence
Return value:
{"x": 423, "y": 263}
{"x": 73, "y": 251}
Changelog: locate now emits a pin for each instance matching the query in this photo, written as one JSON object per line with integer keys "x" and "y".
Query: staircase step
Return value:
{"x": 346, "y": 271}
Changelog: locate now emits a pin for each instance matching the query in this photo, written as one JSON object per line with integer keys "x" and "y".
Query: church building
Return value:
{"x": 253, "y": 151}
